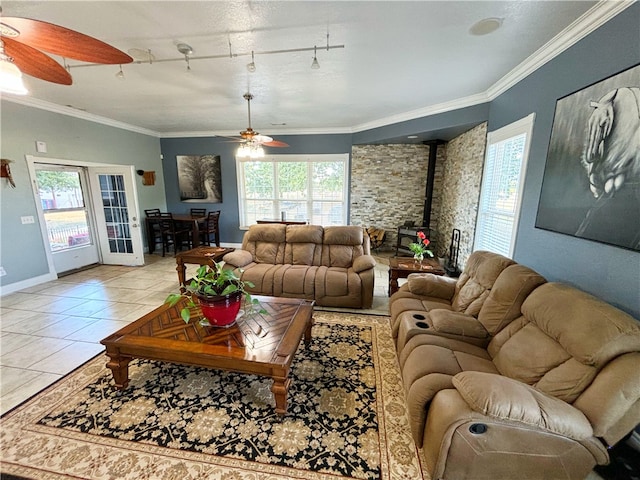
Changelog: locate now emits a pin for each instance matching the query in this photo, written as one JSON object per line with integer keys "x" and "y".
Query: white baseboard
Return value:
{"x": 30, "y": 282}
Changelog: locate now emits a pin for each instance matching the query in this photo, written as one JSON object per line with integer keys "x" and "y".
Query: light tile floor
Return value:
{"x": 50, "y": 329}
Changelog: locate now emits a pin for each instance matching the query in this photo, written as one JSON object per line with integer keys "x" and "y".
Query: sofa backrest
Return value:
{"x": 303, "y": 245}
{"x": 503, "y": 304}
{"x": 336, "y": 246}
{"x": 343, "y": 244}
{"x": 265, "y": 242}
{"x": 476, "y": 280}
{"x": 563, "y": 339}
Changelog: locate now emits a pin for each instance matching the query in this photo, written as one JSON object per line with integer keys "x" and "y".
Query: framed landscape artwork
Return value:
{"x": 591, "y": 184}
{"x": 199, "y": 178}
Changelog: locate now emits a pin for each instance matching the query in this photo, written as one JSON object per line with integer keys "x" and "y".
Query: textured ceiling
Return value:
{"x": 400, "y": 60}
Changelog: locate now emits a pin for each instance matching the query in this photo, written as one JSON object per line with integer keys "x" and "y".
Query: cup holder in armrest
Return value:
{"x": 417, "y": 316}
{"x": 422, "y": 324}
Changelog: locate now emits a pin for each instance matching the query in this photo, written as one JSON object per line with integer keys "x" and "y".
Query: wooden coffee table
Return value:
{"x": 200, "y": 256}
{"x": 260, "y": 344}
{"x": 401, "y": 267}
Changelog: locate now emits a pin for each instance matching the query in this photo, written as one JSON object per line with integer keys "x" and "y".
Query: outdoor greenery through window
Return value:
{"x": 64, "y": 208}
{"x": 501, "y": 191}
{"x": 310, "y": 188}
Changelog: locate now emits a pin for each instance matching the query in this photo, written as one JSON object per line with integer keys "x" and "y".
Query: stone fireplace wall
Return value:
{"x": 388, "y": 186}
{"x": 462, "y": 178}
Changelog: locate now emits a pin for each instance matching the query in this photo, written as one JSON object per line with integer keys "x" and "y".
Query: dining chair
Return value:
{"x": 211, "y": 227}
{"x": 198, "y": 212}
{"x": 153, "y": 228}
{"x": 173, "y": 234}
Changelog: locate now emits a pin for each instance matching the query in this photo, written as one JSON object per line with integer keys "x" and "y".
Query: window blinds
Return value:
{"x": 501, "y": 189}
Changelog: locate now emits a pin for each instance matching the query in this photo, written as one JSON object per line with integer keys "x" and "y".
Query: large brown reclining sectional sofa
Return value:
{"x": 331, "y": 265}
{"x": 535, "y": 381}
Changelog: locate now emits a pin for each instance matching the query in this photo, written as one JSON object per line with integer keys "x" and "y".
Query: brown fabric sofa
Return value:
{"x": 331, "y": 265}
{"x": 466, "y": 295}
{"x": 554, "y": 386}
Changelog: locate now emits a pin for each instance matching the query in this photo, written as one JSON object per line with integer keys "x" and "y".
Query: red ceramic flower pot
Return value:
{"x": 221, "y": 311}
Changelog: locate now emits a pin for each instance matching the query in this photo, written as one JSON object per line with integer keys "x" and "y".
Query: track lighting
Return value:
{"x": 186, "y": 50}
{"x": 315, "y": 65}
{"x": 10, "y": 75}
{"x": 120, "y": 74}
{"x": 145, "y": 56}
{"x": 251, "y": 66}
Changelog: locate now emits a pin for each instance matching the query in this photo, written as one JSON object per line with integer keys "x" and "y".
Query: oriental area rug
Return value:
{"x": 347, "y": 418}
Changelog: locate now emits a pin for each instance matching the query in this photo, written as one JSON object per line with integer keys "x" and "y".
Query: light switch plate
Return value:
{"x": 41, "y": 147}
{"x": 2, "y": 272}
{"x": 28, "y": 219}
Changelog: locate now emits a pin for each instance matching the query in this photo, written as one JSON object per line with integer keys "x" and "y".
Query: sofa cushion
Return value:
{"x": 342, "y": 245}
{"x": 477, "y": 279}
{"x": 506, "y": 399}
{"x": 238, "y": 258}
{"x": 509, "y": 291}
{"x": 591, "y": 330}
{"x": 296, "y": 281}
{"x": 456, "y": 323}
{"x": 430, "y": 285}
{"x": 303, "y": 245}
{"x": 265, "y": 242}
{"x": 363, "y": 262}
{"x": 562, "y": 340}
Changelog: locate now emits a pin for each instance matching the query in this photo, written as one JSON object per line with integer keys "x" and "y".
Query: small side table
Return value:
{"x": 401, "y": 267}
{"x": 200, "y": 256}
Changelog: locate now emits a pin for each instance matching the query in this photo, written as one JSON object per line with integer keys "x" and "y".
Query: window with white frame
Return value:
{"x": 311, "y": 188}
{"x": 502, "y": 182}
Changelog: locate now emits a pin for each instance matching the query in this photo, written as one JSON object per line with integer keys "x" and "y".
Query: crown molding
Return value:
{"x": 272, "y": 132}
{"x": 444, "y": 107}
{"x": 74, "y": 112}
{"x": 591, "y": 20}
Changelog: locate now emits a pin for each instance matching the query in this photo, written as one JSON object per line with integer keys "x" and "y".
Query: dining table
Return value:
{"x": 193, "y": 220}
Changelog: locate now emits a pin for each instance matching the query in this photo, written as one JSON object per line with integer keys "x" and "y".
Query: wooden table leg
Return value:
{"x": 307, "y": 332}
{"x": 119, "y": 366}
{"x": 393, "y": 281}
{"x": 182, "y": 271}
{"x": 195, "y": 233}
{"x": 280, "y": 388}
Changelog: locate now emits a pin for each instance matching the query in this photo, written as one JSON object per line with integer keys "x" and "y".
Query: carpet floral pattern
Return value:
{"x": 346, "y": 418}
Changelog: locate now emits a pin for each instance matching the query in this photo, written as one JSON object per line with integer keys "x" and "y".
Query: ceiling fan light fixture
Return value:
{"x": 250, "y": 150}
{"x": 315, "y": 65}
{"x": 10, "y": 76}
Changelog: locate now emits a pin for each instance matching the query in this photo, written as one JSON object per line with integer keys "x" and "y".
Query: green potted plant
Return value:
{"x": 218, "y": 292}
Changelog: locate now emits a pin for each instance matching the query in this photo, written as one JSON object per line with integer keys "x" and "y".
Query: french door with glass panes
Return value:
{"x": 116, "y": 211}
{"x": 63, "y": 194}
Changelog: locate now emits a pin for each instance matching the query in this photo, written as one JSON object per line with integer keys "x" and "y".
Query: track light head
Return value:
{"x": 251, "y": 66}
{"x": 315, "y": 65}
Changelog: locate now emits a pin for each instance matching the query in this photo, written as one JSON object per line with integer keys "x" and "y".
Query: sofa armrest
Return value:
{"x": 363, "y": 262}
{"x": 238, "y": 258}
{"x": 456, "y": 323}
{"x": 507, "y": 399}
{"x": 430, "y": 285}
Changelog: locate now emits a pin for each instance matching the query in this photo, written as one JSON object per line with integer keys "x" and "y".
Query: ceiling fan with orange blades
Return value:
{"x": 252, "y": 141}
{"x": 23, "y": 41}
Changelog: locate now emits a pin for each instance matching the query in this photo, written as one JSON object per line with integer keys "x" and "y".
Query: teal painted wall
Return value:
{"x": 608, "y": 272}
{"x": 22, "y": 252}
